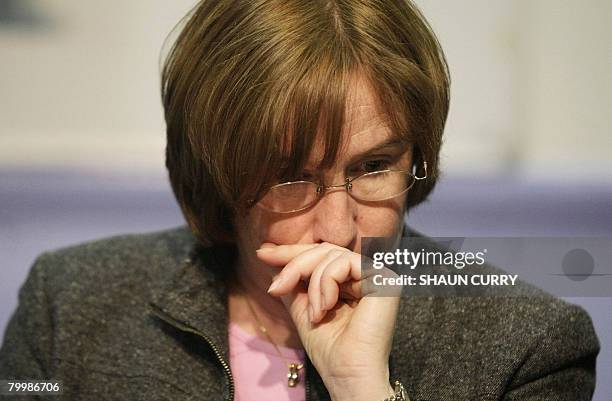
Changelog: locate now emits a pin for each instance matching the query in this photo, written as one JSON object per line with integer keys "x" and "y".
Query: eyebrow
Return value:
{"x": 389, "y": 143}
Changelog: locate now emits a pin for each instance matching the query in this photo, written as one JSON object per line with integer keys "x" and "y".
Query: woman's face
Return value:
{"x": 337, "y": 218}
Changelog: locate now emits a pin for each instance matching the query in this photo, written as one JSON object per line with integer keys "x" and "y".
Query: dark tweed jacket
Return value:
{"x": 143, "y": 317}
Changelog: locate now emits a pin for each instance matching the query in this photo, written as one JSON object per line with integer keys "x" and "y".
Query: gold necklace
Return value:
{"x": 293, "y": 376}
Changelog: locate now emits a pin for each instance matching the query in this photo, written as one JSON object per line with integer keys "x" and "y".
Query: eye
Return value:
{"x": 370, "y": 166}
{"x": 284, "y": 176}
{"x": 308, "y": 176}
{"x": 305, "y": 176}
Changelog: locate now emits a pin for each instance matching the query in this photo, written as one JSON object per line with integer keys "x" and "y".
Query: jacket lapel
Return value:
{"x": 195, "y": 297}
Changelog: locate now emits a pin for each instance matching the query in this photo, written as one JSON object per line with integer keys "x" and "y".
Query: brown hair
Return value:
{"x": 243, "y": 74}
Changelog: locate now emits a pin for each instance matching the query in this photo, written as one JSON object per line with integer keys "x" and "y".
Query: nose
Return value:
{"x": 336, "y": 218}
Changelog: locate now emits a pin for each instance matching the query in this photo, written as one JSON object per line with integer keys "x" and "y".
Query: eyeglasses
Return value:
{"x": 375, "y": 186}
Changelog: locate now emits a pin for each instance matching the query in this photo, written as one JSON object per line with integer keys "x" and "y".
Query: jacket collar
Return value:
{"x": 194, "y": 298}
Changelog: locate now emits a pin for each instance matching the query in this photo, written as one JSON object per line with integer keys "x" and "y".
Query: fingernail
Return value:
{"x": 275, "y": 284}
{"x": 263, "y": 250}
{"x": 310, "y": 313}
{"x": 323, "y": 303}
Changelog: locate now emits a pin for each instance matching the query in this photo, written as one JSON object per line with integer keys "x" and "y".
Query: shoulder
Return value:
{"x": 518, "y": 308}
{"x": 521, "y": 311}
{"x": 129, "y": 262}
{"x": 504, "y": 340}
{"x": 159, "y": 243}
{"x": 524, "y": 346}
{"x": 530, "y": 344}
{"x": 518, "y": 322}
{"x": 75, "y": 298}
{"x": 523, "y": 324}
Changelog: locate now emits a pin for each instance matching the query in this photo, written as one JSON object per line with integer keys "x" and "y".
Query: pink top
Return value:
{"x": 259, "y": 372}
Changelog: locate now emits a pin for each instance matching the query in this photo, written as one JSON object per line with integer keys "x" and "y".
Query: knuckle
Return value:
{"x": 329, "y": 245}
{"x": 326, "y": 276}
{"x": 335, "y": 253}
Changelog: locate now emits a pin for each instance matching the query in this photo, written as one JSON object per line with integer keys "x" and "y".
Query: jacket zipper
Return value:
{"x": 228, "y": 373}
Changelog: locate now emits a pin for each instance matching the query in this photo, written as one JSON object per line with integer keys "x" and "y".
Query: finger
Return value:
{"x": 375, "y": 315}
{"x": 336, "y": 274}
{"x": 298, "y": 268}
{"x": 280, "y": 255}
{"x": 314, "y": 287}
{"x": 370, "y": 286}
{"x": 296, "y": 302}
{"x": 351, "y": 290}
{"x": 339, "y": 271}
{"x": 377, "y": 309}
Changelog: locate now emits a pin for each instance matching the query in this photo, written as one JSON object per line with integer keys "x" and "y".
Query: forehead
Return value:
{"x": 365, "y": 124}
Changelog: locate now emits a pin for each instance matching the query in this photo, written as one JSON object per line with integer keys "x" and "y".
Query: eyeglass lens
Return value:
{"x": 376, "y": 186}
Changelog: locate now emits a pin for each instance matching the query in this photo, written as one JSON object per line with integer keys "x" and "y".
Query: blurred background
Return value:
{"x": 528, "y": 148}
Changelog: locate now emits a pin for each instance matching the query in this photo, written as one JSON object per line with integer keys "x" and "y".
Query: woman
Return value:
{"x": 295, "y": 128}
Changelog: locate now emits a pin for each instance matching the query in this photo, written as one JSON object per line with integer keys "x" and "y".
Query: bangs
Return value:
{"x": 309, "y": 113}
{"x": 302, "y": 110}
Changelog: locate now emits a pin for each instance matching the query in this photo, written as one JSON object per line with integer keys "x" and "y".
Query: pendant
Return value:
{"x": 293, "y": 377}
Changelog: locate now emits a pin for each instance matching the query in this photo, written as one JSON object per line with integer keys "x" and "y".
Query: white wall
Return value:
{"x": 567, "y": 87}
{"x": 83, "y": 89}
{"x": 531, "y": 87}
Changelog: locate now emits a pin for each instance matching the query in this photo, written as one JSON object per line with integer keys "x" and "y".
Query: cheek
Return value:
{"x": 383, "y": 220}
{"x": 280, "y": 229}
{"x": 380, "y": 220}
{"x": 289, "y": 231}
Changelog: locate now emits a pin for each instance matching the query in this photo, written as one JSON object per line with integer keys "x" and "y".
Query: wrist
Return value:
{"x": 367, "y": 388}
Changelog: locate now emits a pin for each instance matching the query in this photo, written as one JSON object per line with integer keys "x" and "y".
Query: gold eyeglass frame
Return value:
{"x": 347, "y": 184}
